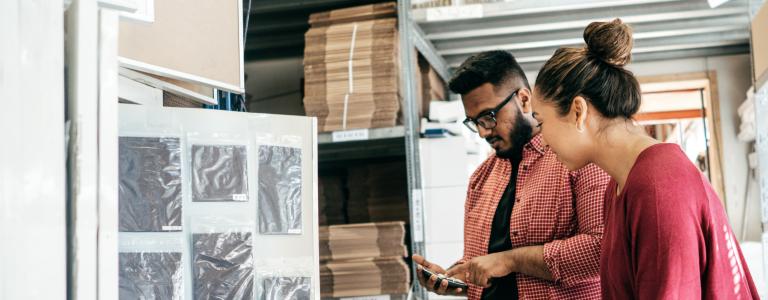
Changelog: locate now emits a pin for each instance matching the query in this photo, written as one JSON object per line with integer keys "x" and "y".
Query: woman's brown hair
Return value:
{"x": 595, "y": 72}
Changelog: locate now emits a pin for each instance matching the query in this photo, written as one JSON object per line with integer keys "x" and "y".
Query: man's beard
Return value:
{"x": 520, "y": 135}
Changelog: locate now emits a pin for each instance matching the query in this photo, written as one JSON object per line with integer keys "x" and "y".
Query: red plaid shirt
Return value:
{"x": 554, "y": 207}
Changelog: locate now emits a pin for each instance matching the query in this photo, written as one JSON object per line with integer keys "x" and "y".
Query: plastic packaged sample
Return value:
{"x": 150, "y": 275}
{"x": 219, "y": 173}
{"x": 150, "y": 184}
{"x": 279, "y": 190}
{"x": 223, "y": 265}
{"x": 279, "y": 288}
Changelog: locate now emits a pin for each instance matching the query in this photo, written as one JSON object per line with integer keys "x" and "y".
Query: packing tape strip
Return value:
{"x": 350, "y": 75}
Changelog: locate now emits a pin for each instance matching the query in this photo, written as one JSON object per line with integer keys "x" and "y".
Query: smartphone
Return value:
{"x": 453, "y": 283}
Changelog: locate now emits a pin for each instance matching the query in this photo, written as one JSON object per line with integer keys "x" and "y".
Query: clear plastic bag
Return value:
{"x": 280, "y": 190}
{"x": 150, "y": 275}
{"x": 286, "y": 287}
{"x": 219, "y": 173}
{"x": 285, "y": 278}
{"x": 150, "y": 184}
{"x": 223, "y": 260}
{"x": 150, "y": 268}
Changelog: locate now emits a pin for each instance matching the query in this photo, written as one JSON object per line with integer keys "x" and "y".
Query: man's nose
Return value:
{"x": 483, "y": 132}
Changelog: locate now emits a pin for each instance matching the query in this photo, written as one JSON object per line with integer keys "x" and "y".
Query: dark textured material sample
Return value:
{"x": 219, "y": 173}
{"x": 223, "y": 266}
{"x": 279, "y": 190}
{"x": 150, "y": 184}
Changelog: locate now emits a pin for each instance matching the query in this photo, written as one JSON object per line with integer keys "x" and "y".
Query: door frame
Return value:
{"x": 708, "y": 82}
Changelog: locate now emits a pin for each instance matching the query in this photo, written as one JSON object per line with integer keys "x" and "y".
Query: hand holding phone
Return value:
{"x": 434, "y": 280}
{"x": 453, "y": 283}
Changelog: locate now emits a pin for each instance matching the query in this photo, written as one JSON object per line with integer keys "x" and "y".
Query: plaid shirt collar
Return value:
{"x": 537, "y": 144}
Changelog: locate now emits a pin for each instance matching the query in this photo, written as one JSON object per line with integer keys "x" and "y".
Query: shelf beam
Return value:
{"x": 427, "y": 49}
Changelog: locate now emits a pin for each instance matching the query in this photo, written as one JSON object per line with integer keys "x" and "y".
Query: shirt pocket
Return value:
{"x": 475, "y": 230}
{"x": 542, "y": 212}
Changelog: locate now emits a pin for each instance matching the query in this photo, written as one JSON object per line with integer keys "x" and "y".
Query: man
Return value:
{"x": 532, "y": 229}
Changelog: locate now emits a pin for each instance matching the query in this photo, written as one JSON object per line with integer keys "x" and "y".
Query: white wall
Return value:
{"x": 267, "y": 78}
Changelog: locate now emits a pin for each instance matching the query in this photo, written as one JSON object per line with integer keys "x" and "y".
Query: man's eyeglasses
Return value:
{"x": 487, "y": 119}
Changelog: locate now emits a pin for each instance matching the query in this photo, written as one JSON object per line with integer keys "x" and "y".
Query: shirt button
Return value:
{"x": 514, "y": 233}
{"x": 525, "y": 168}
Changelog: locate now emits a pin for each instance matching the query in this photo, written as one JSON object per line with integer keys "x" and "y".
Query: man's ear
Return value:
{"x": 524, "y": 99}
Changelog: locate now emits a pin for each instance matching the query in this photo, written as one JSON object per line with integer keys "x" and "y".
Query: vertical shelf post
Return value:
{"x": 411, "y": 120}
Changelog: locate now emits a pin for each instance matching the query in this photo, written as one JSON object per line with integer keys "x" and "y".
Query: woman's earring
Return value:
{"x": 580, "y": 129}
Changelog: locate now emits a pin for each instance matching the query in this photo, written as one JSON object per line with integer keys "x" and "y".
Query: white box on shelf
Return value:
{"x": 443, "y": 162}
{"x": 446, "y": 111}
{"x": 444, "y": 214}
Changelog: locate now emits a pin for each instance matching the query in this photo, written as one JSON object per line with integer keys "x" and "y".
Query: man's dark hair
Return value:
{"x": 495, "y": 67}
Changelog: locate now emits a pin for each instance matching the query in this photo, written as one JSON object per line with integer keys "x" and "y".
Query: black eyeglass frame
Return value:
{"x": 490, "y": 122}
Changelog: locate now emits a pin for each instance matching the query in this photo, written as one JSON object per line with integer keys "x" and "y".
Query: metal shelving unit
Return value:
{"x": 361, "y": 144}
{"x": 361, "y": 135}
{"x": 277, "y": 30}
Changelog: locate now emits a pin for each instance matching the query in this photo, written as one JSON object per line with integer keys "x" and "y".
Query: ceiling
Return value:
{"x": 533, "y": 29}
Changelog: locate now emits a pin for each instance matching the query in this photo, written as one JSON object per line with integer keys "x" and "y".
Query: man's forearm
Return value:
{"x": 529, "y": 261}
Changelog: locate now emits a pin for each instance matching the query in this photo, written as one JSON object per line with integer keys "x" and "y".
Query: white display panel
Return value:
{"x": 292, "y": 254}
{"x": 33, "y": 179}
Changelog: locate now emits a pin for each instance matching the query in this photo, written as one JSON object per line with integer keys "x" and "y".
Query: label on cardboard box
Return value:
{"x": 350, "y": 135}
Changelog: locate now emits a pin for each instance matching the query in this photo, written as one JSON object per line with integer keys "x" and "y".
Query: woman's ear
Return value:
{"x": 524, "y": 98}
{"x": 579, "y": 111}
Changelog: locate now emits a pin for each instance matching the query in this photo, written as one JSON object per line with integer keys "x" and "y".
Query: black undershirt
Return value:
{"x": 504, "y": 287}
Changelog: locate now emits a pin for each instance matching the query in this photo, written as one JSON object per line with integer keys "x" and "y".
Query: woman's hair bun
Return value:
{"x": 610, "y": 42}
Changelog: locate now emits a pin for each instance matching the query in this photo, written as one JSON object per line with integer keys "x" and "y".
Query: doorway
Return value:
{"x": 683, "y": 109}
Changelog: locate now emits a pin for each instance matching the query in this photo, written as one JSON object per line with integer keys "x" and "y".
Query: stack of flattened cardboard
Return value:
{"x": 362, "y": 241}
{"x": 354, "y": 14}
{"x": 351, "y": 68}
{"x": 363, "y": 260}
{"x": 378, "y": 193}
{"x": 429, "y": 84}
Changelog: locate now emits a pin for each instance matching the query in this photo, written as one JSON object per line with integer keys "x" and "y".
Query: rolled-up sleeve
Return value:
{"x": 575, "y": 260}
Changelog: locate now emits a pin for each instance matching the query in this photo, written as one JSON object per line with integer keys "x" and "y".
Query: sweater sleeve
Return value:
{"x": 667, "y": 240}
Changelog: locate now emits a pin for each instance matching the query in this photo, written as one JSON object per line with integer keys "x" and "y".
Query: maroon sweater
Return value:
{"x": 667, "y": 235}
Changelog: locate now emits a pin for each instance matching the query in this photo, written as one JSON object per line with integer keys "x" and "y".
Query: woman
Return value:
{"x": 666, "y": 233}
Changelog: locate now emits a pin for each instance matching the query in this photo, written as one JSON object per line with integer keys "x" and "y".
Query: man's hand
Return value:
{"x": 480, "y": 270}
{"x": 431, "y": 284}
